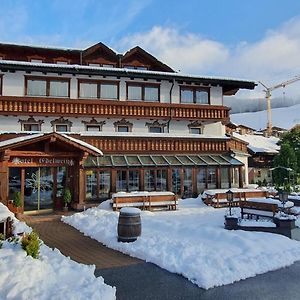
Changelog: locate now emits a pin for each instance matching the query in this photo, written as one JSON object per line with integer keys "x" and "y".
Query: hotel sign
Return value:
{"x": 44, "y": 161}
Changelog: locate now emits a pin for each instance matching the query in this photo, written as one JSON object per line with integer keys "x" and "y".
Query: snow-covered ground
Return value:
{"x": 192, "y": 241}
{"x": 52, "y": 276}
{"x": 284, "y": 117}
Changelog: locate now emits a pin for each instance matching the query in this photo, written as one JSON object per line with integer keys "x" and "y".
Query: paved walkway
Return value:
{"x": 71, "y": 242}
{"x": 136, "y": 279}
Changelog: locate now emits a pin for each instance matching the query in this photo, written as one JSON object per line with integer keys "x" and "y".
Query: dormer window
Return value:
{"x": 123, "y": 126}
{"x": 61, "y": 125}
{"x": 94, "y": 65}
{"x": 108, "y": 66}
{"x": 195, "y": 130}
{"x": 194, "y": 94}
{"x": 31, "y": 124}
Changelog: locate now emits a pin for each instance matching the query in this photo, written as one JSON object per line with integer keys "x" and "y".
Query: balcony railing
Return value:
{"x": 105, "y": 108}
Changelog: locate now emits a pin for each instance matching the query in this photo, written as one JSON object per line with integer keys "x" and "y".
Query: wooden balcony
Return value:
{"x": 135, "y": 145}
{"x": 105, "y": 108}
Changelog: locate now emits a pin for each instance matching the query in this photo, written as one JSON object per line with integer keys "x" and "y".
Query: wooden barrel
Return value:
{"x": 129, "y": 225}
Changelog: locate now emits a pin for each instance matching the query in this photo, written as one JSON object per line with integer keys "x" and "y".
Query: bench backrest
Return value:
{"x": 259, "y": 206}
{"x": 258, "y": 194}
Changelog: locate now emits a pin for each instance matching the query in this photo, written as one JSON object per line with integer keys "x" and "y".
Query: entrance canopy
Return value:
{"x": 161, "y": 161}
{"x": 46, "y": 139}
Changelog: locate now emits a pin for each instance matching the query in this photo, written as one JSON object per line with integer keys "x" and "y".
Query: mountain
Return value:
{"x": 285, "y": 117}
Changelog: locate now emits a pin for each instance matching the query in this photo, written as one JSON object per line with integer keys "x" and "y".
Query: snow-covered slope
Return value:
{"x": 285, "y": 117}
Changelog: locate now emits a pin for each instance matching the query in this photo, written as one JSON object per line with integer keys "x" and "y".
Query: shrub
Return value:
{"x": 17, "y": 202}
{"x": 67, "y": 196}
{"x": 31, "y": 244}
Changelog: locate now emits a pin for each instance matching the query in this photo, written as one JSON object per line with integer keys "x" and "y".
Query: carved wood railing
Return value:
{"x": 105, "y": 108}
{"x": 122, "y": 145}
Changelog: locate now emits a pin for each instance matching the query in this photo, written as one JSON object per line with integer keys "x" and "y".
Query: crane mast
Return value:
{"x": 268, "y": 91}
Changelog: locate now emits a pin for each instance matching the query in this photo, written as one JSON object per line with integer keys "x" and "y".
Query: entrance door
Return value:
{"x": 38, "y": 189}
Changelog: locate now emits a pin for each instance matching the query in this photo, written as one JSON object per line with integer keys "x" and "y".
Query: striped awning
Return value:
{"x": 161, "y": 161}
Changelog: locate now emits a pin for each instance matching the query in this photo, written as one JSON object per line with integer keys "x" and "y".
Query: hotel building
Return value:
{"x": 100, "y": 122}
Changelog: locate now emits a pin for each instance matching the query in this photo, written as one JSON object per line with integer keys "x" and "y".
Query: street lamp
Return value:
{"x": 283, "y": 197}
{"x": 229, "y": 196}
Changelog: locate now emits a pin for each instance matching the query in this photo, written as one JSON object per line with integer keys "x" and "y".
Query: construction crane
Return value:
{"x": 268, "y": 91}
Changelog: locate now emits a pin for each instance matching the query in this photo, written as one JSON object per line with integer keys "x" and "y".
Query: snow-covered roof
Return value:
{"x": 119, "y": 70}
{"x": 82, "y": 143}
{"x": 259, "y": 144}
{"x": 34, "y": 136}
{"x": 19, "y": 139}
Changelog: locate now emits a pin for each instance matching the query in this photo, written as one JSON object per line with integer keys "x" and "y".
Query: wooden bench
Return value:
{"x": 258, "y": 209}
{"x": 148, "y": 201}
{"x": 220, "y": 199}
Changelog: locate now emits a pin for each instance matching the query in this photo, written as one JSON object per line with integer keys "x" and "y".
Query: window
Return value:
{"x": 31, "y": 124}
{"x": 61, "y": 125}
{"x": 195, "y": 130}
{"x": 95, "y": 89}
{"x": 93, "y": 128}
{"x": 196, "y": 127}
{"x": 36, "y": 60}
{"x": 94, "y": 65}
{"x": 155, "y": 129}
{"x": 43, "y": 86}
{"x": 135, "y": 67}
{"x": 93, "y": 125}
{"x": 211, "y": 178}
{"x": 61, "y": 128}
{"x": 155, "y": 180}
{"x": 201, "y": 180}
{"x": 123, "y": 126}
{"x": 108, "y": 66}
{"x": 61, "y": 62}
{"x": 146, "y": 92}
{"x": 193, "y": 94}
{"x": 31, "y": 127}
{"x": 59, "y": 88}
{"x": 91, "y": 185}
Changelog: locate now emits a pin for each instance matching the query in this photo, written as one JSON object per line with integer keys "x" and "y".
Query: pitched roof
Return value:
{"x": 25, "y": 140}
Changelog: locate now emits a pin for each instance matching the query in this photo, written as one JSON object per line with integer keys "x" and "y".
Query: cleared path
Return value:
{"x": 73, "y": 243}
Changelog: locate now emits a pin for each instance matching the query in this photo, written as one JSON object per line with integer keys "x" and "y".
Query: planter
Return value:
{"x": 231, "y": 222}
{"x": 285, "y": 223}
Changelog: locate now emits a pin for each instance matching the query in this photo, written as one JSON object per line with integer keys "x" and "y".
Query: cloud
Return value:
{"x": 188, "y": 53}
{"x": 273, "y": 59}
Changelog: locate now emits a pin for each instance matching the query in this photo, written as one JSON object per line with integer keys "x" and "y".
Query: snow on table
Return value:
{"x": 192, "y": 242}
{"x": 52, "y": 276}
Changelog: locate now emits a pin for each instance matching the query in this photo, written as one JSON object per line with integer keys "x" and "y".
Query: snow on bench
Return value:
{"x": 145, "y": 200}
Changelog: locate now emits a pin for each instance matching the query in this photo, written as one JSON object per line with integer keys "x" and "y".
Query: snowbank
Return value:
{"x": 52, "y": 276}
{"x": 192, "y": 241}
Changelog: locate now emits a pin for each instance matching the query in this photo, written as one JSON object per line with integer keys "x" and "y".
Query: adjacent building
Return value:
{"x": 100, "y": 122}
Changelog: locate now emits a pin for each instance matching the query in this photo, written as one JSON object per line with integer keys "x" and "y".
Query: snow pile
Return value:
{"x": 52, "y": 276}
{"x": 192, "y": 241}
{"x": 258, "y": 143}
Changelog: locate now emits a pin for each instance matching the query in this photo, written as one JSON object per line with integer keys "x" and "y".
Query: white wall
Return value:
{"x": 180, "y": 128}
{"x": 14, "y": 85}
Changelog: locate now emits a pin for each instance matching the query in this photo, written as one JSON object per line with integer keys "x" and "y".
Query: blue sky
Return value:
{"x": 254, "y": 39}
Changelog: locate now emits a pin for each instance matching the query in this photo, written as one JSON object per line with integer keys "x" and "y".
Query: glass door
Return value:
{"x": 38, "y": 189}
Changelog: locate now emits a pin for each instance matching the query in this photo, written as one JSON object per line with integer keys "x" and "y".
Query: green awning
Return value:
{"x": 162, "y": 161}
